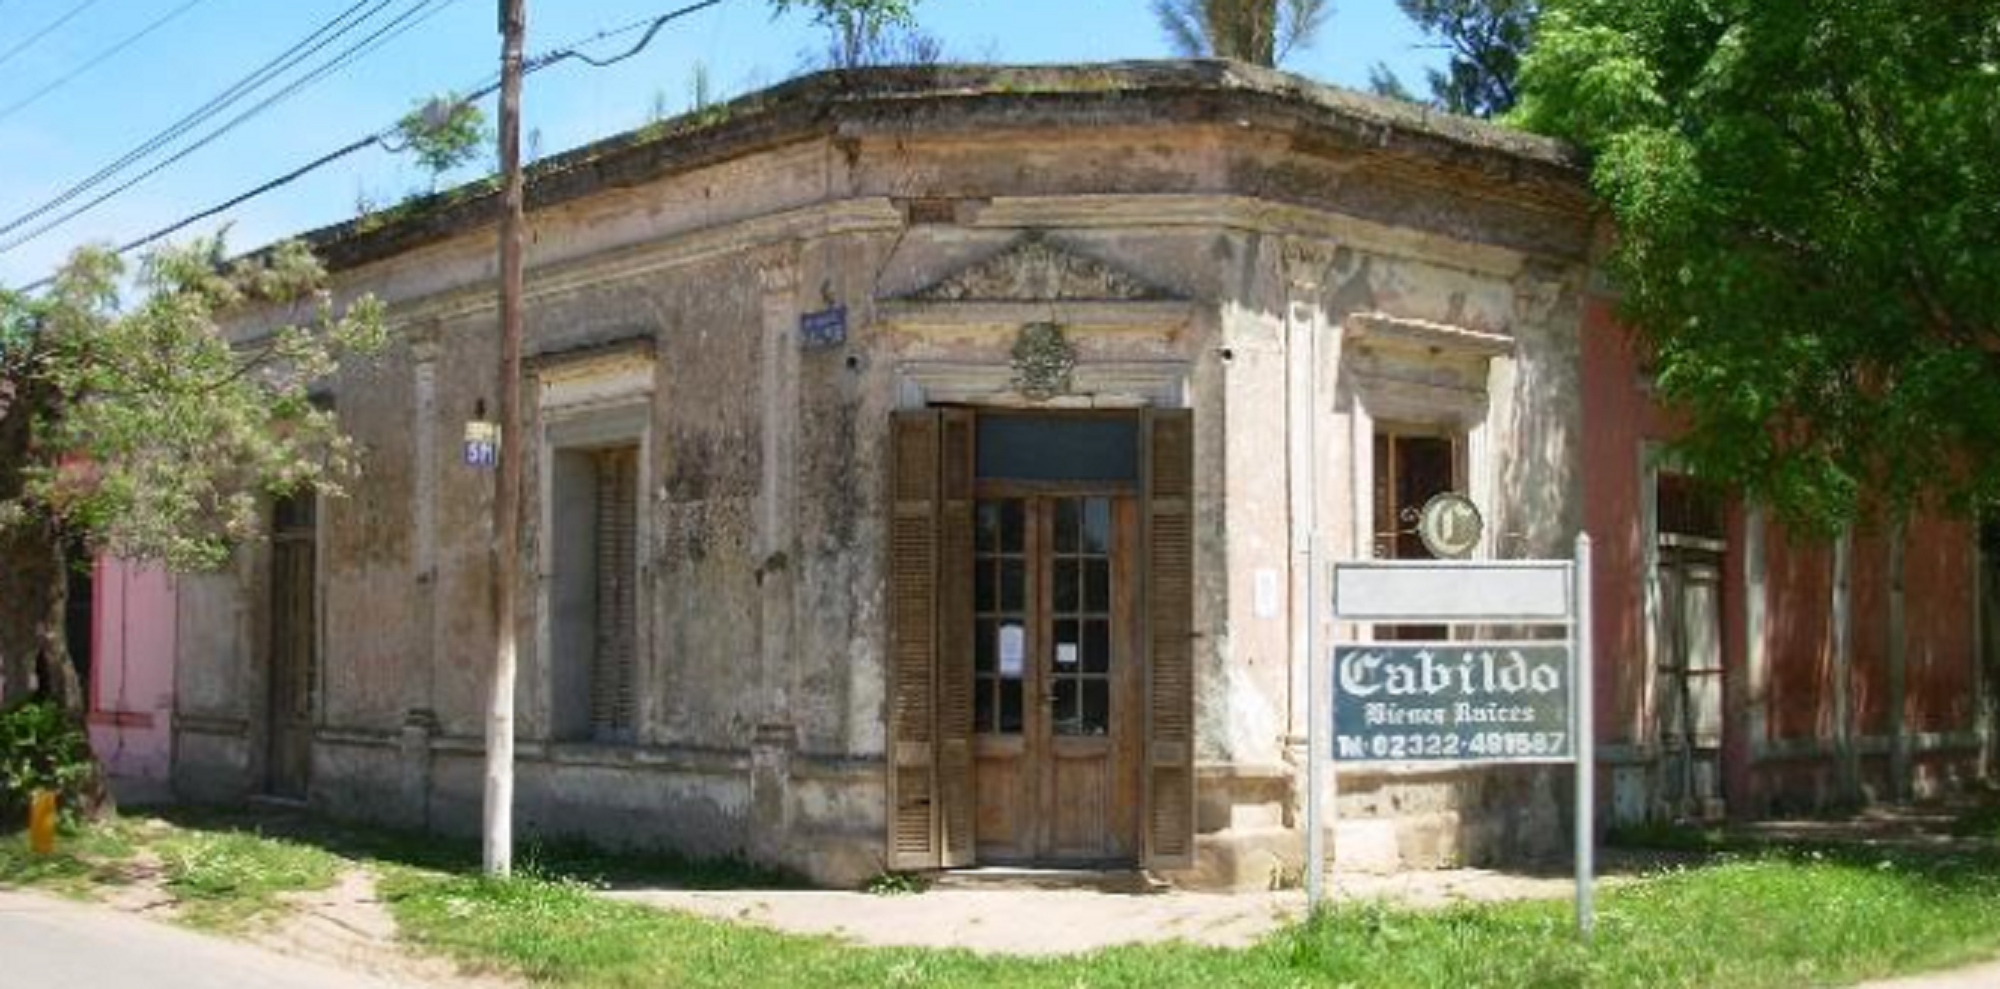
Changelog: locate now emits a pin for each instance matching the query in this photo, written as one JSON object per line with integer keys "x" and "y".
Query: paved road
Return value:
{"x": 1984, "y": 976}
{"x": 57, "y": 944}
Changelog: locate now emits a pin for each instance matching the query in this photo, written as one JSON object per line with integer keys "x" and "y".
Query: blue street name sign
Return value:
{"x": 823, "y": 329}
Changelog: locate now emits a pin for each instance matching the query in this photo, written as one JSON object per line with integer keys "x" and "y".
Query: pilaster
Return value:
{"x": 777, "y": 503}
{"x": 1306, "y": 263}
{"x": 1847, "y": 754}
{"x": 1899, "y": 659}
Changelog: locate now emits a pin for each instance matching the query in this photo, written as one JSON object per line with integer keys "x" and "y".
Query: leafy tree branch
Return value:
{"x": 1807, "y": 207}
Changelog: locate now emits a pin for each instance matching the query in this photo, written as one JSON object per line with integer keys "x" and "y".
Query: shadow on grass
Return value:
{"x": 565, "y": 859}
{"x": 1954, "y": 861}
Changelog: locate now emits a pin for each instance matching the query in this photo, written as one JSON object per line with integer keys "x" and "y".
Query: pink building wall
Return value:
{"x": 132, "y": 676}
{"x": 1779, "y": 749}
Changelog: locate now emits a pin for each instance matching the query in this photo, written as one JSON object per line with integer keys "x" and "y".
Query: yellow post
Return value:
{"x": 42, "y": 822}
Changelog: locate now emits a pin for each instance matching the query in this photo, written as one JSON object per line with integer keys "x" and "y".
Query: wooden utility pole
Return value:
{"x": 499, "y": 816}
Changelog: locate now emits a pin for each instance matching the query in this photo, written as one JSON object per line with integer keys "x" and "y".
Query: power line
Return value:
{"x": 283, "y": 62}
{"x": 397, "y": 26}
{"x": 381, "y": 138}
{"x": 99, "y": 59}
{"x": 651, "y": 25}
{"x": 29, "y": 42}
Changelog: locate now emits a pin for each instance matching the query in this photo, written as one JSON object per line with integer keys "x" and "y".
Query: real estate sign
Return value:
{"x": 1452, "y": 702}
{"x": 1463, "y": 699}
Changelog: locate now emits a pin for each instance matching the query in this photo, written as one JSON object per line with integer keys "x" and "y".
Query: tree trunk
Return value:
{"x": 32, "y": 610}
{"x": 34, "y": 583}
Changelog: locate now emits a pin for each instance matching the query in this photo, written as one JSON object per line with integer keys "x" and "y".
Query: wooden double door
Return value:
{"x": 1056, "y": 684}
{"x": 1041, "y": 663}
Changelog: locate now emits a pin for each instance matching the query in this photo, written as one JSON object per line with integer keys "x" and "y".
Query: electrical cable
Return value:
{"x": 382, "y": 137}
{"x": 29, "y": 42}
{"x": 99, "y": 59}
{"x": 382, "y": 35}
{"x": 282, "y": 63}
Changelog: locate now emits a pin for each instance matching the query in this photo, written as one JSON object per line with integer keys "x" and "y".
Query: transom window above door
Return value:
{"x": 1066, "y": 449}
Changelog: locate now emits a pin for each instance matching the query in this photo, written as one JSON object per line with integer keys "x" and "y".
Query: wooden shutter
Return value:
{"x": 913, "y": 636}
{"x": 612, "y": 673}
{"x": 1170, "y": 675}
{"x": 957, "y": 801}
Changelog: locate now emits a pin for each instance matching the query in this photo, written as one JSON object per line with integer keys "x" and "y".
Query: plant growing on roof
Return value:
{"x": 442, "y": 133}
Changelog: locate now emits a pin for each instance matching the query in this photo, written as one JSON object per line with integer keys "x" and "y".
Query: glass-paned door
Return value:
{"x": 1054, "y": 709}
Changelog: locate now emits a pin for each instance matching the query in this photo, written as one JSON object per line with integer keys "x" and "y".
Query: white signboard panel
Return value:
{"x": 1460, "y": 592}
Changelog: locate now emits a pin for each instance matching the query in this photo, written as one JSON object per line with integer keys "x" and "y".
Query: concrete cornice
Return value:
{"x": 1107, "y": 212}
{"x": 848, "y": 105}
{"x": 766, "y": 233}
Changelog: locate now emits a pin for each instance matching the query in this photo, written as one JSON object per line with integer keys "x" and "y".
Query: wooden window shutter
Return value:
{"x": 913, "y": 639}
{"x": 957, "y": 802}
{"x": 1170, "y": 674}
{"x": 612, "y": 674}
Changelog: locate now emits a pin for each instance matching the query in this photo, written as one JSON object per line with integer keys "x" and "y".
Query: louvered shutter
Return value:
{"x": 957, "y": 807}
{"x": 612, "y": 673}
{"x": 913, "y": 638}
{"x": 1170, "y": 678}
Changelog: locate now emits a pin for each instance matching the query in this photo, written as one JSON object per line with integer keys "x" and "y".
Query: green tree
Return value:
{"x": 143, "y": 431}
{"x": 1807, "y": 208}
{"x": 1485, "y": 39}
{"x": 1383, "y": 81}
{"x": 1262, "y": 32}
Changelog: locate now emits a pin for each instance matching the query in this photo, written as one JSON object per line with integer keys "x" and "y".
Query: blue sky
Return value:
{"x": 77, "y": 129}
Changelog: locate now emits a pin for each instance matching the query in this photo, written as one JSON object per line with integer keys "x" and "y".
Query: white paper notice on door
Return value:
{"x": 1013, "y": 651}
{"x": 1065, "y": 654}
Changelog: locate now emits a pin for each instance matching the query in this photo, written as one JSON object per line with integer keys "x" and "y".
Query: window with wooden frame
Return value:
{"x": 1413, "y": 464}
{"x": 595, "y": 601}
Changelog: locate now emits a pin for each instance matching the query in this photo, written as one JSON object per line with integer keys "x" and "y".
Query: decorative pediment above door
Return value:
{"x": 1035, "y": 279}
{"x": 1035, "y": 269}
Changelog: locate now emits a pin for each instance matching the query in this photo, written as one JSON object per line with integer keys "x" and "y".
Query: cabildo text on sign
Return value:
{"x": 1423, "y": 702}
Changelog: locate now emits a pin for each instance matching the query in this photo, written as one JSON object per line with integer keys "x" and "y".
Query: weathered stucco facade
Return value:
{"x": 1305, "y": 275}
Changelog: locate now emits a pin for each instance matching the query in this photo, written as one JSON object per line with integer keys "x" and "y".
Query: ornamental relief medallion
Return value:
{"x": 1043, "y": 361}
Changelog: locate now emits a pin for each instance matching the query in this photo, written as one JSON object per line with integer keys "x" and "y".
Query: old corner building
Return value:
{"x": 921, "y": 466}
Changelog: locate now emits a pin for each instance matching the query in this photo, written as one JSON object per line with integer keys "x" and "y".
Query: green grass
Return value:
{"x": 1767, "y": 921}
{"x": 87, "y": 860}
{"x": 1748, "y": 919}
{"x": 228, "y": 880}
{"x": 220, "y": 878}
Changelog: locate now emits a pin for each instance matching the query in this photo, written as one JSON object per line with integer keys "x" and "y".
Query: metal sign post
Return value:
{"x": 1581, "y": 701}
{"x": 1455, "y": 701}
